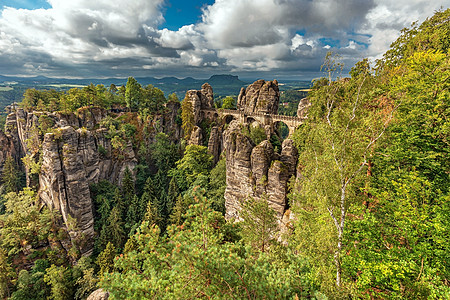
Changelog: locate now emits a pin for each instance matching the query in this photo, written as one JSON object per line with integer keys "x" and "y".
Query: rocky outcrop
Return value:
{"x": 256, "y": 171}
{"x": 67, "y": 169}
{"x": 200, "y": 99}
{"x": 169, "y": 121}
{"x": 260, "y": 96}
{"x": 98, "y": 294}
{"x": 196, "y": 136}
{"x": 303, "y": 106}
{"x": 75, "y": 154}
{"x": 215, "y": 145}
{"x": 7, "y": 148}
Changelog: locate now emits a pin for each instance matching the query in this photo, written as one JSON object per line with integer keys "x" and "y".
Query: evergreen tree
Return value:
{"x": 6, "y": 273}
{"x": 113, "y": 231}
{"x": 217, "y": 185}
{"x": 172, "y": 195}
{"x": 10, "y": 177}
{"x": 259, "y": 224}
{"x": 119, "y": 202}
{"x": 133, "y": 213}
{"x": 128, "y": 190}
{"x": 61, "y": 282}
{"x": 151, "y": 214}
{"x": 178, "y": 211}
{"x": 105, "y": 260}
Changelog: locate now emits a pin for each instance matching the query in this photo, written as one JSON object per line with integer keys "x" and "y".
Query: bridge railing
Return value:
{"x": 274, "y": 117}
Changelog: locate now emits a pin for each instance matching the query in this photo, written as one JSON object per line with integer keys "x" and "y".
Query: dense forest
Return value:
{"x": 370, "y": 211}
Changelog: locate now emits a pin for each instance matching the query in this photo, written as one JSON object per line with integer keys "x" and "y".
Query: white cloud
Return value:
{"x": 111, "y": 37}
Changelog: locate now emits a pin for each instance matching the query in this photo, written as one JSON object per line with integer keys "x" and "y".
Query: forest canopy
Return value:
{"x": 370, "y": 213}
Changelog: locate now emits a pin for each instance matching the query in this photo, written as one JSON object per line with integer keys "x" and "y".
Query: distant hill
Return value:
{"x": 13, "y": 87}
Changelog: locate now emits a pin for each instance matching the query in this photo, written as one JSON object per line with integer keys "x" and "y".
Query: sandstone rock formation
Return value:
{"x": 70, "y": 162}
{"x": 201, "y": 99}
{"x": 68, "y": 167}
{"x": 303, "y": 106}
{"x": 98, "y": 294}
{"x": 215, "y": 144}
{"x": 256, "y": 171}
{"x": 260, "y": 96}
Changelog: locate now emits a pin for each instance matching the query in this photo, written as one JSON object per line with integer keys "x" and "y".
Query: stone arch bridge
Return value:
{"x": 263, "y": 118}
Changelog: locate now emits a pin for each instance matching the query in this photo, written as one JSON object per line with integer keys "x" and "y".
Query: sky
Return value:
{"x": 283, "y": 39}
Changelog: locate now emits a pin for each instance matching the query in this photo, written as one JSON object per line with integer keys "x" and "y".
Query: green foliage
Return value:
{"x": 197, "y": 258}
{"x": 400, "y": 247}
{"x": 259, "y": 225}
{"x": 256, "y": 133}
{"x": 344, "y": 122}
{"x": 217, "y": 185}
{"x": 196, "y": 161}
{"x": 60, "y": 281}
{"x": 228, "y": 103}
{"x": 432, "y": 34}
{"x": 187, "y": 117}
{"x": 133, "y": 93}
{"x": 45, "y": 123}
{"x": 6, "y": 274}
{"x": 10, "y": 176}
{"x": 105, "y": 260}
{"x": 31, "y": 285}
{"x": 23, "y": 224}
{"x": 113, "y": 231}
{"x": 164, "y": 152}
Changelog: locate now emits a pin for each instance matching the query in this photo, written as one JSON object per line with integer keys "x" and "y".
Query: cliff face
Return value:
{"x": 257, "y": 171}
{"x": 260, "y": 96}
{"x": 252, "y": 171}
{"x": 70, "y": 162}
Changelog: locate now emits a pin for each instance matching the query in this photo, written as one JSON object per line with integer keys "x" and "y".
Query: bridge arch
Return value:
{"x": 282, "y": 129}
{"x": 228, "y": 118}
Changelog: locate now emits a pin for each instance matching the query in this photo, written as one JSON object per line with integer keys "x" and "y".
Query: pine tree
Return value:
{"x": 133, "y": 213}
{"x": 259, "y": 223}
{"x": 10, "y": 176}
{"x": 172, "y": 195}
{"x": 113, "y": 230}
{"x": 6, "y": 273}
{"x": 118, "y": 201}
{"x": 105, "y": 260}
{"x": 128, "y": 190}
{"x": 176, "y": 218}
{"x": 133, "y": 93}
{"x": 151, "y": 214}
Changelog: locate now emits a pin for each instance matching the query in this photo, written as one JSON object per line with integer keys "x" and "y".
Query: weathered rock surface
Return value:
{"x": 256, "y": 171}
{"x": 98, "y": 294}
{"x": 67, "y": 169}
{"x": 303, "y": 106}
{"x": 7, "y": 148}
{"x": 196, "y": 136}
{"x": 260, "y": 96}
{"x": 71, "y": 161}
{"x": 215, "y": 145}
{"x": 239, "y": 169}
{"x": 200, "y": 99}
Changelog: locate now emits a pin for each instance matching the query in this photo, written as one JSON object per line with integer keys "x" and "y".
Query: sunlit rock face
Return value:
{"x": 71, "y": 161}
{"x": 257, "y": 171}
{"x": 261, "y": 96}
